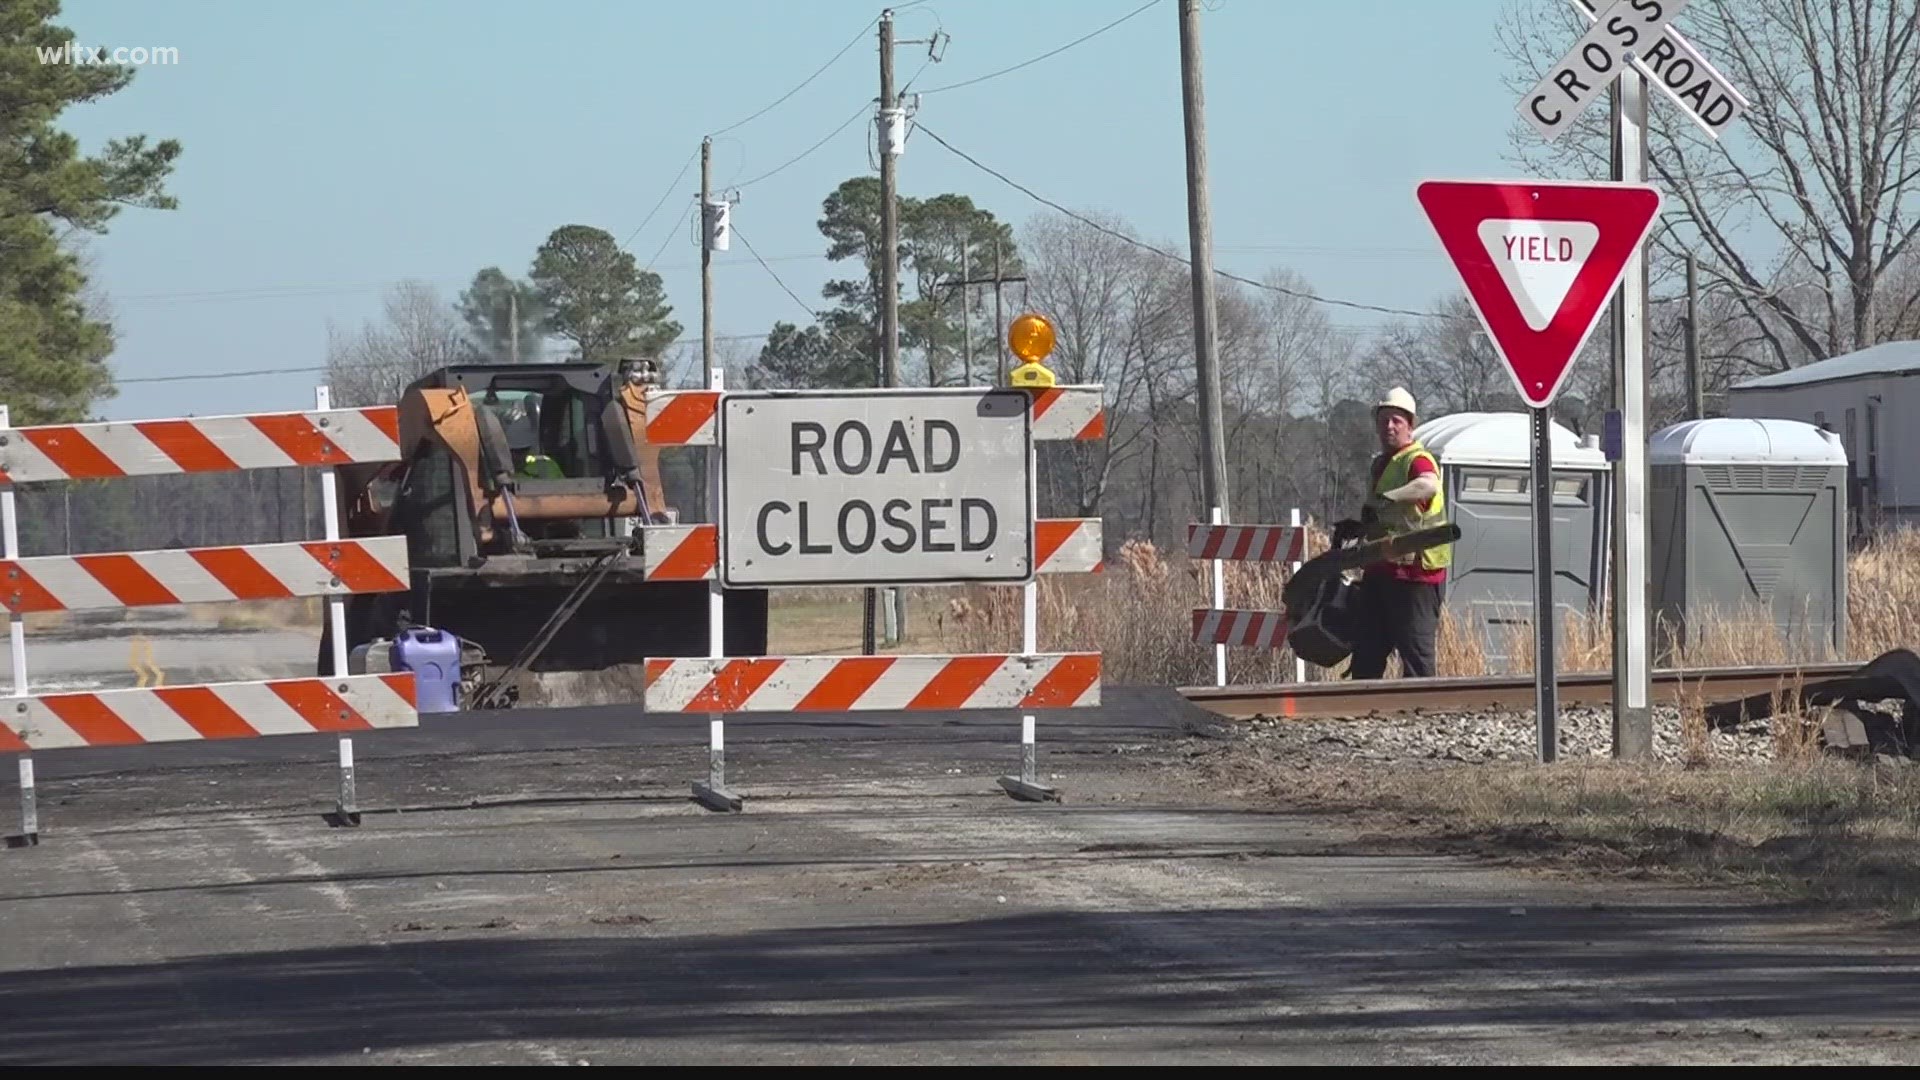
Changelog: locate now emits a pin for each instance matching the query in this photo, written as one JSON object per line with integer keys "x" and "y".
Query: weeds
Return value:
{"x": 1138, "y": 614}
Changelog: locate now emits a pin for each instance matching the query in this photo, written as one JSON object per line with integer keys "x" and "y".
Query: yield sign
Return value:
{"x": 1540, "y": 259}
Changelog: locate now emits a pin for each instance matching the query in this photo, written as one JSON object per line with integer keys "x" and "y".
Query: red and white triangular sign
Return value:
{"x": 1540, "y": 259}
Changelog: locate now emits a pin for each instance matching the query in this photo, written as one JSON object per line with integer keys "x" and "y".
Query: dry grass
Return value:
{"x": 1805, "y": 829}
{"x": 305, "y": 613}
{"x": 1137, "y": 613}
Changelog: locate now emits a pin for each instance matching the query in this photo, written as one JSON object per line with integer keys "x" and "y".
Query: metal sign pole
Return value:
{"x": 1546, "y": 710}
{"x": 1632, "y": 651}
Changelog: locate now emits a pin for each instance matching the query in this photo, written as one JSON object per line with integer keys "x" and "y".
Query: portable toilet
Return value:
{"x": 1485, "y": 466}
{"x": 1748, "y": 522}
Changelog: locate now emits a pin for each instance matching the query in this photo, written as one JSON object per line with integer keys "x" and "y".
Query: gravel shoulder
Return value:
{"x": 1739, "y": 808}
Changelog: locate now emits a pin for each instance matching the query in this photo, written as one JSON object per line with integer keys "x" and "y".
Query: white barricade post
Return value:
{"x": 874, "y": 488}
{"x": 17, "y": 642}
{"x": 1293, "y": 520}
{"x": 332, "y": 568}
{"x": 714, "y": 794}
{"x": 1222, "y": 626}
{"x": 1218, "y": 517}
{"x": 346, "y": 808}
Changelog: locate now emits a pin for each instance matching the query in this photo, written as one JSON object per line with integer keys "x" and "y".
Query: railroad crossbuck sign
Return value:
{"x": 1624, "y": 27}
{"x": 1676, "y": 67}
{"x": 876, "y": 487}
{"x": 1539, "y": 259}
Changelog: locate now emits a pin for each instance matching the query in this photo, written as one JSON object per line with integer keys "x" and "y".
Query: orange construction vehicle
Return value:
{"x": 517, "y": 489}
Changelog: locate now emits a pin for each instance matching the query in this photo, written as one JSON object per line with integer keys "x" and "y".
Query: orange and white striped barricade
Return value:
{"x": 332, "y": 568}
{"x": 1221, "y": 626}
{"x": 927, "y": 486}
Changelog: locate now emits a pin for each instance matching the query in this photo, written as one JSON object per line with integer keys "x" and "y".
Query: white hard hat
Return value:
{"x": 1397, "y": 398}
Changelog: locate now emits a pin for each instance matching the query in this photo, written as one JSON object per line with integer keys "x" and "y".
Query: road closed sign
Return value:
{"x": 856, "y": 487}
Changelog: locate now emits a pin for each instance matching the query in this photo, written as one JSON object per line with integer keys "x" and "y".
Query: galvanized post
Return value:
{"x": 1632, "y": 647}
{"x": 1546, "y": 709}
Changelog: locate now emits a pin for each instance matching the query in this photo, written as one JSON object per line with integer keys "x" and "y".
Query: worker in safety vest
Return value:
{"x": 1399, "y": 600}
{"x": 523, "y": 443}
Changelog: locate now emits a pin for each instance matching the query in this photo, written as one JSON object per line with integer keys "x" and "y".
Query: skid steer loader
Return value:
{"x": 516, "y": 489}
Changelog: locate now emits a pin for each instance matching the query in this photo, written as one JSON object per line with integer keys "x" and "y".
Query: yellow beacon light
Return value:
{"x": 1031, "y": 339}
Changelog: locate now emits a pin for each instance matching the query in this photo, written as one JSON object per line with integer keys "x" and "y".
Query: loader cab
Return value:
{"x": 516, "y": 490}
{"x": 562, "y": 436}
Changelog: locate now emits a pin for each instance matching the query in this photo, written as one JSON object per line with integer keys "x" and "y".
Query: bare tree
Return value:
{"x": 420, "y": 333}
{"x": 1447, "y": 363}
{"x": 1802, "y": 214}
{"x": 1118, "y": 322}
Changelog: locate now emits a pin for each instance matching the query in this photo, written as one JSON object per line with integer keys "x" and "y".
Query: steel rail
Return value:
{"x": 1351, "y": 698}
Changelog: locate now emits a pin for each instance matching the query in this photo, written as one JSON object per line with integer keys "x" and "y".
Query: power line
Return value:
{"x": 664, "y": 196}
{"x": 308, "y": 369}
{"x": 836, "y": 335}
{"x": 1044, "y": 55}
{"x": 1030, "y": 193}
{"x": 857, "y": 114}
{"x": 857, "y": 38}
{"x": 662, "y": 249}
{"x": 776, "y": 277}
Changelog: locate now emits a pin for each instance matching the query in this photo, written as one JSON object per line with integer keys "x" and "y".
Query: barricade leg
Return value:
{"x": 17, "y": 642}
{"x": 1027, "y": 787}
{"x": 29, "y": 808}
{"x": 346, "y": 810}
{"x": 346, "y": 813}
{"x": 714, "y": 794}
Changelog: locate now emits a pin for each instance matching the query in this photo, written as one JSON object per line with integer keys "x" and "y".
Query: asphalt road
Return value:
{"x": 536, "y": 888}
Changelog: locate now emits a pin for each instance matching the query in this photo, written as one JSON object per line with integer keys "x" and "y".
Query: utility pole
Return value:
{"x": 966, "y": 315}
{"x": 965, "y": 285}
{"x": 513, "y": 320}
{"x": 1213, "y": 453}
{"x": 889, "y": 266}
{"x": 889, "y": 213}
{"x": 706, "y": 261}
{"x": 1696, "y": 390}
{"x": 999, "y": 322}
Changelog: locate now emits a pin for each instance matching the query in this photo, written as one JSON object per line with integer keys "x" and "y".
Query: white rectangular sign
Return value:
{"x": 872, "y": 487}
{"x": 1594, "y": 62}
{"x": 1675, "y": 66}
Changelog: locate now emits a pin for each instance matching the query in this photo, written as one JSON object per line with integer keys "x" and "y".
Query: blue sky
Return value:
{"x": 333, "y": 149}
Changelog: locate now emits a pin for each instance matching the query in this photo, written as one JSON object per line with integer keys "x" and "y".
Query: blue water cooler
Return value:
{"x": 434, "y": 658}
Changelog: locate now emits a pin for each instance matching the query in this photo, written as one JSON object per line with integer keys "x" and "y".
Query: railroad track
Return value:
{"x": 1342, "y": 698}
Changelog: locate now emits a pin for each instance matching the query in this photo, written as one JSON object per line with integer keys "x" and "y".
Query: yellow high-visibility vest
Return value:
{"x": 1400, "y": 518}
